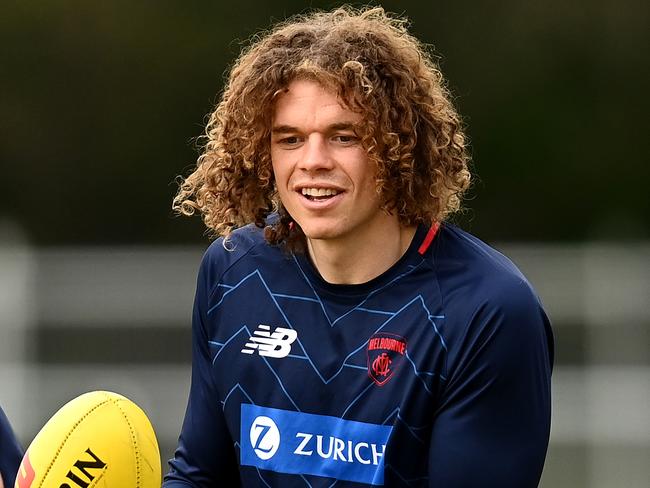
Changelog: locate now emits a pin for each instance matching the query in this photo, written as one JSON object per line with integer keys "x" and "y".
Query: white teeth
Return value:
{"x": 319, "y": 192}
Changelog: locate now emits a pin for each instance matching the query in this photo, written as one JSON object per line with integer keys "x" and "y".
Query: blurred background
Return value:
{"x": 100, "y": 103}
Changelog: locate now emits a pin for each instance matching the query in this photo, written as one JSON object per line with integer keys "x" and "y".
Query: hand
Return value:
{"x": 2, "y": 485}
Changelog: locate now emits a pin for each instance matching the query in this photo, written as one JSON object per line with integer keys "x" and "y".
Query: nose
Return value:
{"x": 316, "y": 155}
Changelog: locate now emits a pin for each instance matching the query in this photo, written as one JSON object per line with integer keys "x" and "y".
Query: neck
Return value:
{"x": 358, "y": 260}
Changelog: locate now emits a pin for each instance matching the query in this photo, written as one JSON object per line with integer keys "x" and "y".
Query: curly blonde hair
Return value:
{"x": 411, "y": 129}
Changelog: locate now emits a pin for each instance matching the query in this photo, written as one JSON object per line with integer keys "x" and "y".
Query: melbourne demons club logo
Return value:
{"x": 385, "y": 355}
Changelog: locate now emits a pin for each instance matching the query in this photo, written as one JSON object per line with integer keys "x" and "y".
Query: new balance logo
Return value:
{"x": 273, "y": 345}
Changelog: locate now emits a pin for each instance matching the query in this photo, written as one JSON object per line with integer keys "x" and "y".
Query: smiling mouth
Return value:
{"x": 319, "y": 194}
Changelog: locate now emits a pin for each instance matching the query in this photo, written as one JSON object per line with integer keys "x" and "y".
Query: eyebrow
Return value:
{"x": 289, "y": 129}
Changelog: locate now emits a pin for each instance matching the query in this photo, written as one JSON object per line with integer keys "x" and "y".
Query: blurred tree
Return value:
{"x": 100, "y": 102}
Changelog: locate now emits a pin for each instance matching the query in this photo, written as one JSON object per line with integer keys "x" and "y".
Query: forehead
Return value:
{"x": 308, "y": 101}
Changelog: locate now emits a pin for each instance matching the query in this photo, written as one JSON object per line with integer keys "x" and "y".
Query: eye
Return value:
{"x": 346, "y": 139}
{"x": 291, "y": 140}
{"x": 288, "y": 141}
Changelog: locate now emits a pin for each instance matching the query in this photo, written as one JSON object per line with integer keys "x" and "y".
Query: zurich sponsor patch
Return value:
{"x": 302, "y": 443}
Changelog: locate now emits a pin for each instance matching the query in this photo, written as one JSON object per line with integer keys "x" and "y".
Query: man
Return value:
{"x": 358, "y": 339}
{"x": 10, "y": 453}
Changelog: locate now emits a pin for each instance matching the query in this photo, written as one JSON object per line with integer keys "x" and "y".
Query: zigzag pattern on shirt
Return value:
{"x": 431, "y": 318}
{"x": 347, "y": 363}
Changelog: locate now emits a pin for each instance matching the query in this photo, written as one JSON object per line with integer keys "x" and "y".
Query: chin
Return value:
{"x": 320, "y": 232}
{"x": 316, "y": 235}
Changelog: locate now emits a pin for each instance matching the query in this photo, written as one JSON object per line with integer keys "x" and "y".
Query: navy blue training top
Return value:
{"x": 10, "y": 452}
{"x": 436, "y": 373}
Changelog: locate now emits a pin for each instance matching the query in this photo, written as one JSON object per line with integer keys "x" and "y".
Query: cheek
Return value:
{"x": 367, "y": 178}
{"x": 276, "y": 168}
{"x": 281, "y": 178}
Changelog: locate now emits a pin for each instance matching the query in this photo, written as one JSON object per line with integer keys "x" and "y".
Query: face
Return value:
{"x": 323, "y": 175}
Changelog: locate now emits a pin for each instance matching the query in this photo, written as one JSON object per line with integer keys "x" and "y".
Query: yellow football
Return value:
{"x": 98, "y": 440}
